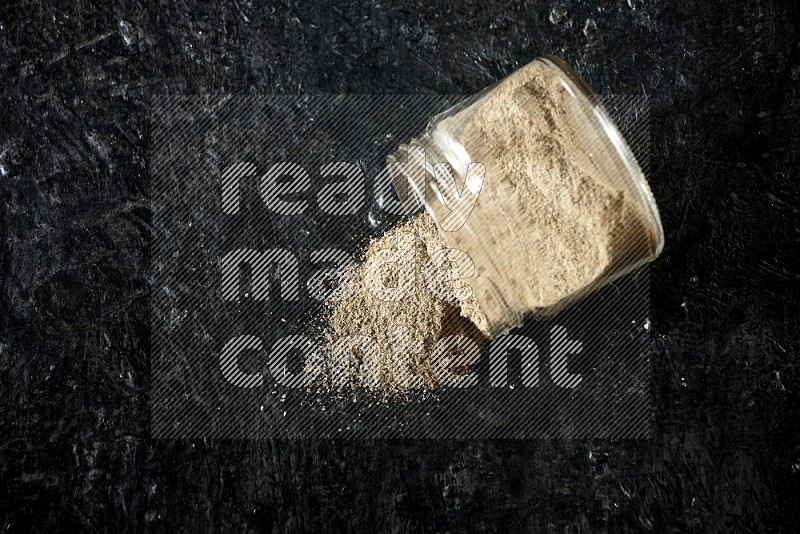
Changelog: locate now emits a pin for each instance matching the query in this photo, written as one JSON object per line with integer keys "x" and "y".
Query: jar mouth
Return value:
{"x": 438, "y": 147}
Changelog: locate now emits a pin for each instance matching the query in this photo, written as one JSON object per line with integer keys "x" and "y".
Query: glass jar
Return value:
{"x": 553, "y": 202}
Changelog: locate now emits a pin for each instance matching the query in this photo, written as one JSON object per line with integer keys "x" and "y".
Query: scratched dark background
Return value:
{"x": 75, "y": 223}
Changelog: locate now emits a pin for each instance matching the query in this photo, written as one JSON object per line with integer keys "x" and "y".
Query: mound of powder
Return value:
{"x": 407, "y": 295}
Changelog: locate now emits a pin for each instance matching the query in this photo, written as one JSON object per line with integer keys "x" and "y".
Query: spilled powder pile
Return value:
{"x": 549, "y": 221}
{"x": 405, "y": 297}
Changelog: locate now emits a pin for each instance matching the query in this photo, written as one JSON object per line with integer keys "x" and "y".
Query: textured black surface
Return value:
{"x": 74, "y": 369}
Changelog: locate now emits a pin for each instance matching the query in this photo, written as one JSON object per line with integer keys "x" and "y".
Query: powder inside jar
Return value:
{"x": 555, "y": 214}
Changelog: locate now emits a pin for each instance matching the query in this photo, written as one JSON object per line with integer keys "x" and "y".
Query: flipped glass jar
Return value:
{"x": 532, "y": 179}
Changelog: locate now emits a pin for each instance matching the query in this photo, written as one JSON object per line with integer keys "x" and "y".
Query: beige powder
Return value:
{"x": 549, "y": 220}
{"x": 398, "y": 303}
